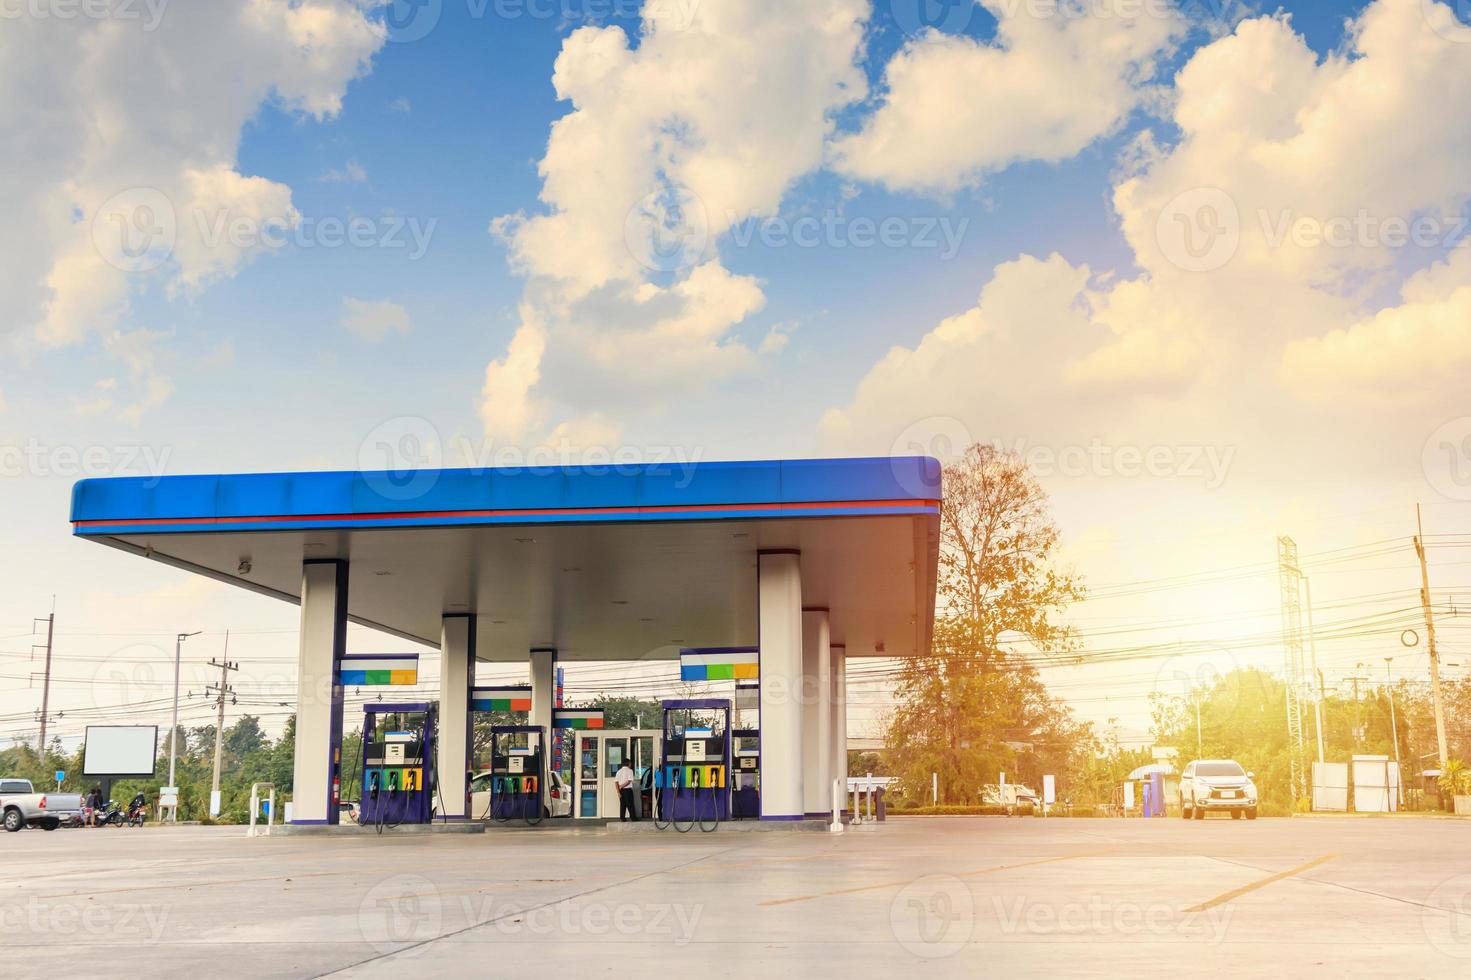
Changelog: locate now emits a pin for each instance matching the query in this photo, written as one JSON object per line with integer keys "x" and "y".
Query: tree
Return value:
{"x": 625, "y": 713}
{"x": 1243, "y": 716}
{"x": 969, "y": 707}
{"x": 863, "y": 763}
{"x": 243, "y": 737}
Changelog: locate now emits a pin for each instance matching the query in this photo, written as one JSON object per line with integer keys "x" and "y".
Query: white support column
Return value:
{"x": 543, "y": 692}
{"x": 543, "y": 696}
{"x": 838, "y": 716}
{"x": 817, "y": 725}
{"x": 780, "y": 635}
{"x": 456, "y": 676}
{"x": 318, "y": 762}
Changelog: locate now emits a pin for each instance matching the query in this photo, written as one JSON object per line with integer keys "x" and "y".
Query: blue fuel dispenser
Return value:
{"x": 518, "y": 773}
{"x": 398, "y": 765}
{"x": 692, "y": 781}
{"x": 745, "y": 776}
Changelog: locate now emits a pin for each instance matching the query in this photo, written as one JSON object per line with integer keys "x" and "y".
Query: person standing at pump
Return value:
{"x": 624, "y": 781}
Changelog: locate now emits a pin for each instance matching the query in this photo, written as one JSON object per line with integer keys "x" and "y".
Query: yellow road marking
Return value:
{"x": 1244, "y": 889}
{"x": 906, "y": 881}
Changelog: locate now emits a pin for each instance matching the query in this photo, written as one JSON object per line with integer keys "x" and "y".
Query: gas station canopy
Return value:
{"x": 598, "y": 563}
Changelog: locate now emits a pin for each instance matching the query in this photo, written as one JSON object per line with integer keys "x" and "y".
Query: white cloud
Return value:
{"x": 617, "y": 346}
{"x": 994, "y": 364}
{"x": 375, "y": 321}
{"x": 1414, "y": 352}
{"x": 400, "y": 104}
{"x": 1299, "y": 171}
{"x": 1231, "y": 321}
{"x": 351, "y": 173}
{"x": 127, "y": 142}
{"x": 1056, "y": 78}
{"x": 506, "y": 396}
{"x": 777, "y": 337}
{"x": 147, "y": 386}
{"x": 222, "y": 356}
{"x": 720, "y": 113}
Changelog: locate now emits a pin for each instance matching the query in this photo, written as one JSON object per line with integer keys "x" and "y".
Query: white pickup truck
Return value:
{"x": 1013, "y": 796}
{"x": 21, "y": 806}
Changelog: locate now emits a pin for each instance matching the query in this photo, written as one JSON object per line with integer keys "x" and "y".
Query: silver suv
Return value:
{"x": 1217, "y": 784}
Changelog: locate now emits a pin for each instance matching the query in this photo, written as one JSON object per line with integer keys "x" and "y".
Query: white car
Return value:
{"x": 1217, "y": 785}
{"x": 559, "y": 797}
{"x": 1013, "y": 796}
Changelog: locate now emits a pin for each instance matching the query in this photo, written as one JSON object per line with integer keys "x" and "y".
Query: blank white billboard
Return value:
{"x": 120, "y": 750}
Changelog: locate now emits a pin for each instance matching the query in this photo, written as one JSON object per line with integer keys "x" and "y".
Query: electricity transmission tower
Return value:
{"x": 1290, "y": 579}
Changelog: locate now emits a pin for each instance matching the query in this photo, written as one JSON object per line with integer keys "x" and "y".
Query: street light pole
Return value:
{"x": 1313, "y": 646}
{"x": 174, "y": 728}
{"x": 1199, "y": 738}
{"x": 1394, "y": 730}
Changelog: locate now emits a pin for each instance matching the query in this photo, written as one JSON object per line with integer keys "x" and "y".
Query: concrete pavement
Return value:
{"x": 951, "y": 896}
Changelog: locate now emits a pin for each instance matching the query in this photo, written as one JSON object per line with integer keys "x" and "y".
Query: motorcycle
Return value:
{"x": 110, "y": 814}
{"x": 137, "y": 811}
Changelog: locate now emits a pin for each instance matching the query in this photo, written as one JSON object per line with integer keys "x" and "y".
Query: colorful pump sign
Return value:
{"x": 500, "y": 699}
{"x": 720, "y": 665}
{"x": 577, "y": 718}
{"x": 379, "y": 670}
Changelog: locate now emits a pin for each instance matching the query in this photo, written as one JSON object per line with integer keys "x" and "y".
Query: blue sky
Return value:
{"x": 448, "y": 130}
{"x": 243, "y": 359}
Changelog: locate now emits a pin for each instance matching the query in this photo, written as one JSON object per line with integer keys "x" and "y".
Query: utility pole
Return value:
{"x": 1358, "y": 708}
{"x": 1313, "y": 649}
{"x": 1322, "y": 696}
{"x": 1394, "y": 730}
{"x": 221, "y": 690}
{"x": 1199, "y": 738}
{"x": 46, "y": 683}
{"x": 1430, "y": 641}
{"x": 174, "y": 728}
{"x": 1289, "y": 577}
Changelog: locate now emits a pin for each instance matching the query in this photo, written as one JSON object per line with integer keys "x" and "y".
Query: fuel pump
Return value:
{"x": 398, "y": 765}
{"x": 745, "y": 775}
{"x": 692, "y": 780}
{"x": 518, "y": 773}
{"x": 745, "y": 746}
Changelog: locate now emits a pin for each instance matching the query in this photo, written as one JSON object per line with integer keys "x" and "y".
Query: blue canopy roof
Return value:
{"x": 597, "y": 561}
{"x": 463, "y": 497}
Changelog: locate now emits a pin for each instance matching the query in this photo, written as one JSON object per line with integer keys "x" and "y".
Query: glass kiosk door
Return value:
{"x": 588, "y": 753}
{"x": 599, "y": 757}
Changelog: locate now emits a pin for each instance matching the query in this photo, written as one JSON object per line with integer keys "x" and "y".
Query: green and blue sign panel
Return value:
{"x": 501, "y": 698}
{"x": 379, "y": 670}
{"x": 737, "y": 664}
{"x": 578, "y": 718}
